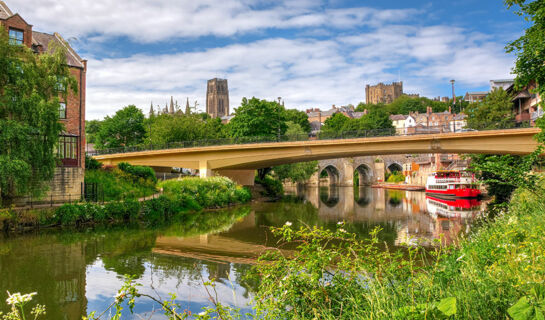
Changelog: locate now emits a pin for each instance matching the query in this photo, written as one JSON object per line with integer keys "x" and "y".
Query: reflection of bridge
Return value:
{"x": 239, "y": 161}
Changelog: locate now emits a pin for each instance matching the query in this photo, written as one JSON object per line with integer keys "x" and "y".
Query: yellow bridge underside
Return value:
{"x": 261, "y": 155}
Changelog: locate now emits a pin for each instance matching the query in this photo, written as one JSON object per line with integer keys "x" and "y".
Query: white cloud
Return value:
{"x": 155, "y": 20}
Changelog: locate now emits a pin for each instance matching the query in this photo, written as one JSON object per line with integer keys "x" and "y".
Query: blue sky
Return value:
{"x": 311, "y": 53}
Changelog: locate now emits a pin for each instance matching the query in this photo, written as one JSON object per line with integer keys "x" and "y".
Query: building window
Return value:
{"x": 61, "y": 83}
{"x": 67, "y": 151}
{"x": 16, "y": 36}
{"x": 62, "y": 110}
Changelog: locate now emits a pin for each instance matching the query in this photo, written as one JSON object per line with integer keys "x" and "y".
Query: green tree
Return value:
{"x": 124, "y": 129}
{"x": 493, "y": 112}
{"x": 181, "y": 127}
{"x": 30, "y": 88}
{"x": 298, "y": 117}
{"x": 257, "y": 117}
{"x": 528, "y": 48}
{"x": 375, "y": 119}
{"x": 335, "y": 123}
{"x": 92, "y": 127}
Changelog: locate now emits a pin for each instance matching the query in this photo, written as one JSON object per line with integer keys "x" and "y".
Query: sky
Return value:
{"x": 312, "y": 53}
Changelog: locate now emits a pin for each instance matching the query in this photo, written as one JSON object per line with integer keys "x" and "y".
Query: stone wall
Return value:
{"x": 383, "y": 93}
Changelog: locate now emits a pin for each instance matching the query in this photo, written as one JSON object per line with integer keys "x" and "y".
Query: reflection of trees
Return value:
{"x": 394, "y": 197}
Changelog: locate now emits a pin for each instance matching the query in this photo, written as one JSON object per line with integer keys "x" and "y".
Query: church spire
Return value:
{"x": 187, "y": 108}
{"x": 171, "y": 111}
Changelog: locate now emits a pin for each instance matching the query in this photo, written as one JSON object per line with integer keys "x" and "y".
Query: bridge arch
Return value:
{"x": 394, "y": 167}
{"x": 333, "y": 174}
{"x": 365, "y": 174}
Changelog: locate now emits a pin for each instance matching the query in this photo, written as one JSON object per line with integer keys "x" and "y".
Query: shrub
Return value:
{"x": 396, "y": 177}
{"x": 92, "y": 164}
{"x": 118, "y": 210}
{"x": 69, "y": 214}
{"x": 116, "y": 184}
{"x": 197, "y": 193}
{"x": 145, "y": 173}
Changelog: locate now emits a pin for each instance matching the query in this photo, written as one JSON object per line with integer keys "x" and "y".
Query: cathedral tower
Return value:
{"x": 217, "y": 98}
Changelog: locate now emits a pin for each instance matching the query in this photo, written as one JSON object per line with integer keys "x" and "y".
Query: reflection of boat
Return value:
{"x": 438, "y": 207}
{"x": 452, "y": 184}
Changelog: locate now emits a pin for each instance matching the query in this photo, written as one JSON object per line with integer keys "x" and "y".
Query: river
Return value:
{"x": 77, "y": 271}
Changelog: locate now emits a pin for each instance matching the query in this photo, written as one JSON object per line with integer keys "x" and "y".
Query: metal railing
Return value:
{"x": 324, "y": 135}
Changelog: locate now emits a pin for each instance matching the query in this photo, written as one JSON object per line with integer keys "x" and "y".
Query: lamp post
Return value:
{"x": 453, "y": 101}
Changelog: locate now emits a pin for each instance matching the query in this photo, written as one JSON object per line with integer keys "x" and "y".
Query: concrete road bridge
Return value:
{"x": 238, "y": 161}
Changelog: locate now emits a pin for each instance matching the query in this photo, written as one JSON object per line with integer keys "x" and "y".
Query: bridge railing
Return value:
{"x": 323, "y": 135}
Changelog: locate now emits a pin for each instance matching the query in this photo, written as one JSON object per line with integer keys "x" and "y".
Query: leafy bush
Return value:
{"x": 396, "y": 177}
{"x": 91, "y": 163}
{"x": 196, "y": 193}
{"x": 145, "y": 173}
{"x": 115, "y": 184}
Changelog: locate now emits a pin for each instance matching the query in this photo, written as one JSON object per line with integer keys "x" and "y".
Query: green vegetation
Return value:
{"x": 528, "y": 48}
{"x": 273, "y": 187}
{"x": 258, "y": 118}
{"x": 495, "y": 111}
{"x": 377, "y": 118}
{"x": 179, "y": 127}
{"x": 117, "y": 184}
{"x": 31, "y": 87}
{"x": 406, "y": 105}
{"x": 493, "y": 274}
{"x": 124, "y": 129}
{"x": 180, "y": 196}
{"x": 211, "y": 192}
{"x": 395, "y": 177}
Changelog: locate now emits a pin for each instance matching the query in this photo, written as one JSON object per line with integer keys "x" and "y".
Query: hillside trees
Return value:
{"x": 30, "y": 88}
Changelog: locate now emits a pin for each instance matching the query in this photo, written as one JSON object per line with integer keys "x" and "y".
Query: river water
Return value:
{"x": 75, "y": 272}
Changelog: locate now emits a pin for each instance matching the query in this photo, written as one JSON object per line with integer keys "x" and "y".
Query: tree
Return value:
{"x": 181, "y": 127}
{"x": 300, "y": 118}
{"x": 257, "y": 117}
{"x": 92, "y": 127}
{"x": 30, "y": 88}
{"x": 493, "y": 112}
{"x": 124, "y": 129}
{"x": 375, "y": 119}
{"x": 528, "y": 48}
{"x": 295, "y": 172}
{"x": 335, "y": 123}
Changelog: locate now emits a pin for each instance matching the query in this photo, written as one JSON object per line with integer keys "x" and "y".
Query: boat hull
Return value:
{"x": 455, "y": 193}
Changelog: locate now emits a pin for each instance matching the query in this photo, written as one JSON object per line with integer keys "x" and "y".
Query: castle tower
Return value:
{"x": 383, "y": 93}
{"x": 217, "y": 98}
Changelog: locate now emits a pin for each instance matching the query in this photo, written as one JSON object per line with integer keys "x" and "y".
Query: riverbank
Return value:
{"x": 395, "y": 186}
{"x": 496, "y": 272}
{"x": 184, "y": 195}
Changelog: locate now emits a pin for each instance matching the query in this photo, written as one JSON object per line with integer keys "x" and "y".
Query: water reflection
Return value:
{"x": 75, "y": 272}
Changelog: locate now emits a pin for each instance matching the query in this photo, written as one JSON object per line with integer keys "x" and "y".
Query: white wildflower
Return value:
{"x": 342, "y": 230}
{"x": 461, "y": 257}
{"x": 17, "y": 298}
{"x": 288, "y": 224}
{"x": 340, "y": 223}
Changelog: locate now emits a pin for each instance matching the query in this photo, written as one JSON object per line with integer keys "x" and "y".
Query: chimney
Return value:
{"x": 333, "y": 107}
{"x": 428, "y": 110}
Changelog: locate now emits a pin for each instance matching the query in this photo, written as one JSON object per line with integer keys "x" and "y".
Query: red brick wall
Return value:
{"x": 75, "y": 112}
{"x": 17, "y": 22}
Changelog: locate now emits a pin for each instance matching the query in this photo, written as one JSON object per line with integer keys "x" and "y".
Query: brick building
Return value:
{"x": 383, "y": 93}
{"x": 69, "y": 174}
{"x": 217, "y": 98}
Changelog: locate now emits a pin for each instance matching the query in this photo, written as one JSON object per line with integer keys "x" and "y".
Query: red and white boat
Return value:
{"x": 452, "y": 184}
